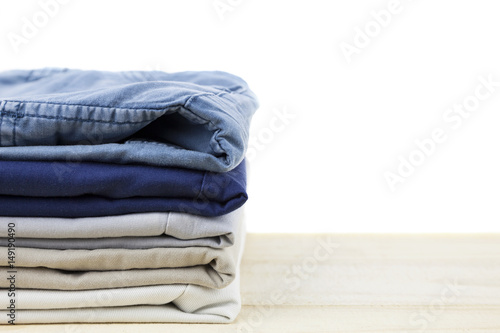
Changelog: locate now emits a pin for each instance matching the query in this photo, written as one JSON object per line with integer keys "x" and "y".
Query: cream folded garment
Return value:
{"x": 135, "y": 284}
{"x": 183, "y": 303}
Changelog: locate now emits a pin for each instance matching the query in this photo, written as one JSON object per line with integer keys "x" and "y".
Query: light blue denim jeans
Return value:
{"x": 197, "y": 120}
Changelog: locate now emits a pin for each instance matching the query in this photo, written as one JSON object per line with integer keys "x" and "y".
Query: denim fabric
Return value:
{"x": 44, "y": 179}
{"x": 197, "y": 120}
{"x": 214, "y": 194}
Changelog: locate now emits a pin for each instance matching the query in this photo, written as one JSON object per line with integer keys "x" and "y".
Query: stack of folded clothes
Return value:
{"x": 121, "y": 195}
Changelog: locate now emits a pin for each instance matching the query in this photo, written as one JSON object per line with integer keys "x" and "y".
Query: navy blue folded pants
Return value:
{"x": 52, "y": 189}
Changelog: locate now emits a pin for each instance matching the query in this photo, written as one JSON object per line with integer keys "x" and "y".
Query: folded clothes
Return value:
{"x": 92, "y": 206}
{"x": 128, "y": 314}
{"x": 220, "y": 260}
{"x": 197, "y": 120}
{"x": 121, "y": 195}
{"x": 185, "y": 303}
{"x": 35, "y": 189}
{"x": 45, "y": 278}
{"x": 156, "y": 230}
{"x": 117, "y": 243}
{"x": 152, "y": 304}
{"x": 49, "y": 179}
{"x": 178, "y": 225}
{"x": 29, "y": 299}
{"x": 115, "y": 268}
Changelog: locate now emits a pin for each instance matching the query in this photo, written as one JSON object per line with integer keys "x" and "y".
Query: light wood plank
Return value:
{"x": 312, "y": 319}
{"x": 373, "y": 269}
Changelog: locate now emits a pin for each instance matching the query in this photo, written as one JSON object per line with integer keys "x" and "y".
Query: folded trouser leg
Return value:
{"x": 164, "y": 303}
{"x": 178, "y": 225}
{"x": 135, "y": 231}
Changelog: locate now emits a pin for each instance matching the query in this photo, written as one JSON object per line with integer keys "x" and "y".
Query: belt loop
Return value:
{"x": 12, "y": 109}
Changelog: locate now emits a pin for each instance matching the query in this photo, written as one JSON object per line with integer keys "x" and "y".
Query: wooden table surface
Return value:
{"x": 354, "y": 283}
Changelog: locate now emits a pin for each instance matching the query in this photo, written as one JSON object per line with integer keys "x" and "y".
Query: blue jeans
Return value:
{"x": 197, "y": 120}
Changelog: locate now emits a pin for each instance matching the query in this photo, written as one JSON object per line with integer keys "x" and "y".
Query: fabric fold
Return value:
{"x": 207, "y": 194}
{"x": 119, "y": 243}
{"x": 171, "y": 303}
{"x": 178, "y": 225}
{"x": 121, "y": 195}
{"x": 197, "y": 120}
{"x": 183, "y": 303}
{"x": 49, "y": 179}
{"x": 116, "y": 268}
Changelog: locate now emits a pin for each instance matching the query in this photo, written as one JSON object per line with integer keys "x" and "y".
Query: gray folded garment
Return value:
{"x": 120, "y": 242}
{"x": 115, "y": 268}
{"x": 132, "y": 231}
{"x": 182, "y": 303}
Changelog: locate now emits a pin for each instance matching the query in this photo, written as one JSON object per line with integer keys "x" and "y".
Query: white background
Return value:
{"x": 324, "y": 170}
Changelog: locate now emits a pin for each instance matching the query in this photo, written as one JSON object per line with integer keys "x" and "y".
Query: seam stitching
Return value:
{"x": 79, "y": 119}
{"x": 216, "y": 133}
{"x": 116, "y": 108}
